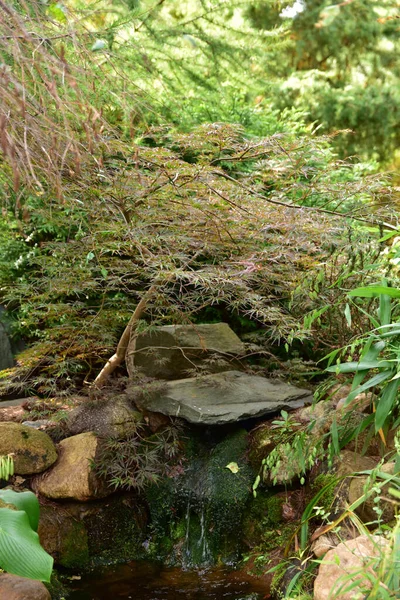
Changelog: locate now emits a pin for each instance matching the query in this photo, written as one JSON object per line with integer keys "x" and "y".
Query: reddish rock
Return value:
{"x": 17, "y": 414}
{"x": 13, "y": 587}
{"x": 345, "y": 566}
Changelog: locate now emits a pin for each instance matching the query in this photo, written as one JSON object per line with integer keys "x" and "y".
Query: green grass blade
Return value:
{"x": 386, "y": 402}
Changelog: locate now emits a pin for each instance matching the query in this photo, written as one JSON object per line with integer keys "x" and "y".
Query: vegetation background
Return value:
{"x": 107, "y": 157}
{"x": 198, "y": 161}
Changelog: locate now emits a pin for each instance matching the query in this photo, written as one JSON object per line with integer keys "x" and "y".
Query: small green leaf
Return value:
{"x": 89, "y": 257}
{"x": 104, "y": 272}
{"x": 335, "y": 436}
{"x": 394, "y": 492}
{"x": 256, "y": 482}
{"x": 385, "y": 309}
{"x": 351, "y": 367}
{"x": 376, "y": 380}
{"x": 233, "y": 467}
{"x": 389, "y": 235}
{"x": 347, "y": 314}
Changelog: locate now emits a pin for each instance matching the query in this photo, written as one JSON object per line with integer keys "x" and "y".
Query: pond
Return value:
{"x": 152, "y": 581}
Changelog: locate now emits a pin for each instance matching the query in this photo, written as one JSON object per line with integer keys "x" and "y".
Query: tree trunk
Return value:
{"x": 120, "y": 353}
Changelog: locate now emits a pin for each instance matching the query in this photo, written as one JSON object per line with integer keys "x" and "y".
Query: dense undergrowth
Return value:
{"x": 169, "y": 154}
{"x": 103, "y": 200}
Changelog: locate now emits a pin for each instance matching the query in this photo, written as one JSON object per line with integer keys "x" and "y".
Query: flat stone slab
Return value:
{"x": 224, "y": 398}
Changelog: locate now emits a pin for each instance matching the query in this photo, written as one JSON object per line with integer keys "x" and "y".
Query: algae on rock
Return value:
{"x": 196, "y": 517}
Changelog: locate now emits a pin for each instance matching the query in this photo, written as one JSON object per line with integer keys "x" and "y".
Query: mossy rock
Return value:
{"x": 64, "y": 536}
{"x": 33, "y": 451}
{"x": 201, "y": 510}
{"x": 262, "y": 440}
{"x": 80, "y": 535}
{"x": 328, "y": 480}
{"x": 111, "y": 417}
{"x": 254, "y": 519}
{"x": 117, "y": 529}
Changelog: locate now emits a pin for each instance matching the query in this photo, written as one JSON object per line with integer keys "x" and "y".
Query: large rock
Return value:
{"x": 13, "y": 587}
{"x": 6, "y": 357}
{"x": 63, "y": 535}
{"x": 72, "y": 476}
{"x": 113, "y": 417}
{"x": 222, "y": 398}
{"x": 81, "y": 534}
{"x": 173, "y": 351}
{"x": 33, "y": 451}
{"x": 200, "y": 509}
{"x": 367, "y": 511}
{"x": 347, "y": 565}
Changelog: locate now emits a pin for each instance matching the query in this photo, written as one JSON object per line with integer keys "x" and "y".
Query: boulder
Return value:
{"x": 63, "y": 535}
{"x": 82, "y": 534}
{"x": 13, "y": 587}
{"x": 113, "y": 417}
{"x": 346, "y": 565}
{"x": 200, "y": 508}
{"x": 322, "y": 415}
{"x": 368, "y": 510}
{"x": 173, "y": 351}
{"x": 223, "y": 398}
{"x": 6, "y": 357}
{"x": 33, "y": 451}
{"x": 72, "y": 476}
{"x": 349, "y": 462}
{"x": 12, "y": 412}
{"x": 324, "y": 543}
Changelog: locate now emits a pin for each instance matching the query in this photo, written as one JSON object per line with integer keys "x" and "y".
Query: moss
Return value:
{"x": 161, "y": 501}
{"x": 278, "y": 538}
{"x": 328, "y": 498}
{"x": 33, "y": 450}
{"x": 57, "y": 590}
{"x": 261, "y": 443}
{"x": 274, "y": 510}
{"x": 75, "y": 551}
{"x": 228, "y": 492}
{"x": 277, "y": 580}
{"x": 178, "y": 529}
{"x": 206, "y": 503}
{"x": 117, "y": 532}
{"x": 262, "y": 513}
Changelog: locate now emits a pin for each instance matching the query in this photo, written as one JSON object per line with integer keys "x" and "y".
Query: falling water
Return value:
{"x": 206, "y": 556}
{"x": 196, "y": 550}
{"x": 186, "y": 562}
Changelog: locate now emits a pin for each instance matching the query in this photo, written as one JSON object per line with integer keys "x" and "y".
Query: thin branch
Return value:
{"x": 308, "y": 208}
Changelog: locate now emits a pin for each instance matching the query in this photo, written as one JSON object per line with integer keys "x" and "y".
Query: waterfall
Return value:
{"x": 196, "y": 550}
{"x": 206, "y": 555}
{"x": 196, "y": 515}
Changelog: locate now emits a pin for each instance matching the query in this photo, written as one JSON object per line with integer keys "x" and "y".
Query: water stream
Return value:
{"x": 195, "y": 523}
{"x": 143, "y": 580}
